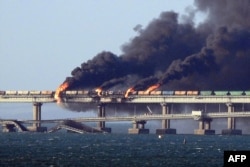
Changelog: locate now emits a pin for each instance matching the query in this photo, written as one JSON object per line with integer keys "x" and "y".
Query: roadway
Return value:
{"x": 245, "y": 114}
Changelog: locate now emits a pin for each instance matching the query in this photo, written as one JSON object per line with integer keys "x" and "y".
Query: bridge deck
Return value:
{"x": 245, "y": 114}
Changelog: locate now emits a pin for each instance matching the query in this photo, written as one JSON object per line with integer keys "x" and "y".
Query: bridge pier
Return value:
{"x": 102, "y": 113}
{"x": 165, "y": 127}
{"x": 37, "y": 112}
{"x": 204, "y": 127}
{"x": 231, "y": 123}
{"x": 138, "y": 128}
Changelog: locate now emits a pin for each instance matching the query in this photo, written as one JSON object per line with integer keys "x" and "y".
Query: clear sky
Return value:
{"x": 42, "y": 41}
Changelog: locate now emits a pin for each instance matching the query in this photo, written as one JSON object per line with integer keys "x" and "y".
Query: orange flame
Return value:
{"x": 61, "y": 88}
{"x": 153, "y": 87}
{"x": 130, "y": 90}
{"x": 99, "y": 91}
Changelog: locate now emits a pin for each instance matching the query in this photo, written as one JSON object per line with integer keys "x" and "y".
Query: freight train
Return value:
{"x": 92, "y": 93}
{"x": 27, "y": 92}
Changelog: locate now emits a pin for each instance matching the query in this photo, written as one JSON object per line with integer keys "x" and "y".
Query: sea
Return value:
{"x": 123, "y": 150}
{"x": 63, "y": 149}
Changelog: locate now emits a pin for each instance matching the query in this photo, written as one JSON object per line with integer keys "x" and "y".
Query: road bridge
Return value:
{"x": 101, "y": 101}
{"x": 239, "y": 114}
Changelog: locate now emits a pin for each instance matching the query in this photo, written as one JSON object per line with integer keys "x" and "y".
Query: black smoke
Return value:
{"x": 179, "y": 54}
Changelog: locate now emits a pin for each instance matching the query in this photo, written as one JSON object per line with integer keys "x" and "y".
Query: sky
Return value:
{"x": 42, "y": 41}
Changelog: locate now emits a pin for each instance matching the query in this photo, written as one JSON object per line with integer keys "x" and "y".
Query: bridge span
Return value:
{"x": 139, "y": 121}
{"x": 245, "y": 114}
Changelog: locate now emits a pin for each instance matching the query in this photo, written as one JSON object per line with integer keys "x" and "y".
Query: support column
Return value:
{"x": 166, "y": 122}
{"x": 102, "y": 113}
{"x": 99, "y": 114}
{"x": 37, "y": 112}
{"x": 204, "y": 127}
{"x": 165, "y": 125}
{"x": 231, "y": 123}
{"x": 230, "y": 120}
{"x": 138, "y": 128}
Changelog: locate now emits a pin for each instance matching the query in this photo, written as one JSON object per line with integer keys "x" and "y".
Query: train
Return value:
{"x": 92, "y": 93}
{"x": 27, "y": 92}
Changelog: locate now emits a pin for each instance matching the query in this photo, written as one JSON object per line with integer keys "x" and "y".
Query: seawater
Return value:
{"x": 105, "y": 150}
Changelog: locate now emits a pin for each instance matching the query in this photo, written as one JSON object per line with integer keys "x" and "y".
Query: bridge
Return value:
{"x": 140, "y": 120}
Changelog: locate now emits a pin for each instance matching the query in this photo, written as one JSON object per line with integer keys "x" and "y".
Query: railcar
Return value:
{"x": 206, "y": 93}
{"x": 156, "y": 93}
{"x": 83, "y": 92}
{"x": 35, "y": 92}
{"x": 2, "y": 92}
{"x": 167, "y": 92}
{"x": 180, "y": 92}
{"x": 10, "y": 92}
{"x": 47, "y": 92}
{"x": 142, "y": 93}
{"x": 247, "y": 93}
{"x": 221, "y": 93}
{"x": 236, "y": 93}
{"x": 71, "y": 92}
{"x": 193, "y": 93}
{"x": 22, "y": 92}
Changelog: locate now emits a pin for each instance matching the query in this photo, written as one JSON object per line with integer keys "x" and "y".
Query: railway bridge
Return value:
{"x": 205, "y": 119}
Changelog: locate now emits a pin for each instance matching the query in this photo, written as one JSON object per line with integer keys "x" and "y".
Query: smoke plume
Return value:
{"x": 178, "y": 54}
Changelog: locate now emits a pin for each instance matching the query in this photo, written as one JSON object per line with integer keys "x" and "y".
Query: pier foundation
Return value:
{"x": 138, "y": 128}
{"x": 231, "y": 123}
{"x": 165, "y": 123}
{"x": 204, "y": 127}
{"x": 102, "y": 113}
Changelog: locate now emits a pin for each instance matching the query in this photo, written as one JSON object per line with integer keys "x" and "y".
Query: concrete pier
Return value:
{"x": 138, "y": 128}
{"x": 37, "y": 108}
{"x": 102, "y": 113}
{"x": 165, "y": 123}
{"x": 204, "y": 127}
{"x": 37, "y": 111}
{"x": 231, "y": 123}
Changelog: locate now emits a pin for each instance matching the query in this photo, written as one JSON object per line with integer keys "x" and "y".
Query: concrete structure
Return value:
{"x": 165, "y": 126}
{"x": 138, "y": 128}
{"x": 165, "y": 117}
{"x": 204, "y": 123}
{"x": 37, "y": 112}
{"x": 12, "y": 126}
{"x": 102, "y": 114}
{"x": 231, "y": 123}
{"x": 204, "y": 127}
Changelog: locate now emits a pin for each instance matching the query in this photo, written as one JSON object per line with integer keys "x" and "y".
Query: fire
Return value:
{"x": 130, "y": 90}
{"x": 98, "y": 91}
{"x": 61, "y": 88}
{"x": 151, "y": 88}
